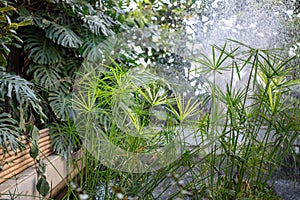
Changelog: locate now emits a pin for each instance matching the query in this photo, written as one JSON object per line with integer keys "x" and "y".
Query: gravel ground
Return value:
{"x": 287, "y": 181}
{"x": 287, "y": 189}
{"x": 286, "y": 184}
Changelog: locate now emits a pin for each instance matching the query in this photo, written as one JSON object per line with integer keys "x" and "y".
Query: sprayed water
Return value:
{"x": 259, "y": 24}
{"x": 266, "y": 24}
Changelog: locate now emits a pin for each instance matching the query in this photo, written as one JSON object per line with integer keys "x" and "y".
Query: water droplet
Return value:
{"x": 120, "y": 195}
{"x": 204, "y": 18}
{"x": 83, "y": 196}
{"x": 155, "y": 38}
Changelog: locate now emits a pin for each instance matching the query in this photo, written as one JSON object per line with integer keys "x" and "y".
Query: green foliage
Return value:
{"x": 64, "y": 138}
{"x": 61, "y": 105}
{"x": 22, "y": 99}
{"x": 168, "y": 14}
{"x": 34, "y": 151}
{"x": 93, "y": 17}
{"x": 249, "y": 134}
{"x": 8, "y": 34}
{"x": 42, "y": 50}
{"x": 19, "y": 97}
{"x": 245, "y": 134}
{"x": 54, "y": 37}
{"x": 63, "y": 35}
{"x": 90, "y": 46}
{"x": 99, "y": 24}
{"x": 11, "y": 84}
{"x": 19, "y": 91}
{"x": 56, "y": 43}
{"x": 43, "y": 186}
{"x": 10, "y": 133}
{"x": 46, "y": 76}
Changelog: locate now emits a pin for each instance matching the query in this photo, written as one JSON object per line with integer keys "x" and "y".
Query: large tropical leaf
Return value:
{"x": 63, "y": 35}
{"x": 90, "y": 46}
{"x": 10, "y": 133}
{"x": 20, "y": 90}
{"x": 81, "y": 8}
{"x": 64, "y": 138}
{"x": 46, "y": 76}
{"x": 99, "y": 24}
{"x": 12, "y": 84}
{"x": 61, "y": 105}
{"x": 96, "y": 50}
{"x": 71, "y": 66}
{"x": 42, "y": 50}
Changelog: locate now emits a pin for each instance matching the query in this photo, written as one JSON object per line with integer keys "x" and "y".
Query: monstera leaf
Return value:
{"x": 46, "y": 76}
{"x": 42, "y": 50}
{"x": 99, "y": 24}
{"x": 9, "y": 133}
{"x": 19, "y": 91}
{"x": 11, "y": 84}
{"x": 90, "y": 46}
{"x": 64, "y": 137}
{"x": 61, "y": 105}
{"x": 71, "y": 66}
{"x": 63, "y": 35}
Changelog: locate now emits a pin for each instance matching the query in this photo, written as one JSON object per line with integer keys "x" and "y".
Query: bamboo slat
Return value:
{"x": 16, "y": 163}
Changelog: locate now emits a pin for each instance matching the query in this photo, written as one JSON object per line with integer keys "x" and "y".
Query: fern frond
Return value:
{"x": 63, "y": 36}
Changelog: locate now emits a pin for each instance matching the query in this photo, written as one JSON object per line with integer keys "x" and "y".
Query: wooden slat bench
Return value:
{"x": 18, "y": 177}
{"x": 15, "y": 164}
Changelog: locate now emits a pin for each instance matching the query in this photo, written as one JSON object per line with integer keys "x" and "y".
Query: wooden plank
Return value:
{"x": 20, "y": 167}
{"x": 16, "y": 163}
{"x": 57, "y": 169}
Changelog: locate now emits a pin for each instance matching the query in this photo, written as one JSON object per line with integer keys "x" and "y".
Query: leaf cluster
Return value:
{"x": 62, "y": 33}
{"x": 8, "y": 31}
